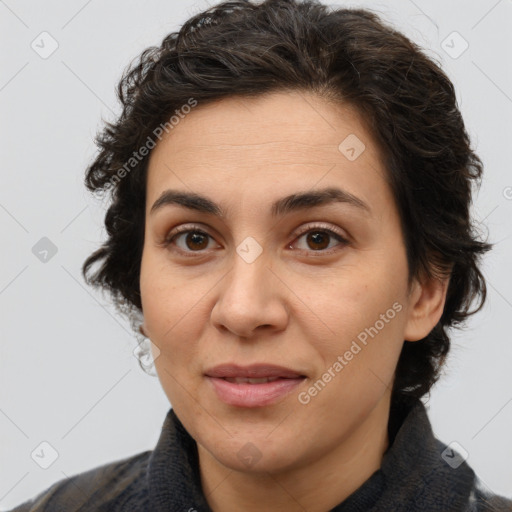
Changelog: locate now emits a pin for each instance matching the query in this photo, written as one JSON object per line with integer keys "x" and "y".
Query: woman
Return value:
{"x": 290, "y": 191}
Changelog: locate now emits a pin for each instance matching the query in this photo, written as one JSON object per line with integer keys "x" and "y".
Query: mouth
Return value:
{"x": 248, "y": 380}
{"x": 253, "y": 386}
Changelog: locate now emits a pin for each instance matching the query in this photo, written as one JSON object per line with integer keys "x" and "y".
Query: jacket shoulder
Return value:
{"x": 112, "y": 486}
{"x": 483, "y": 500}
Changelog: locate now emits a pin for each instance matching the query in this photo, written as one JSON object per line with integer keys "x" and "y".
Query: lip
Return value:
{"x": 253, "y": 395}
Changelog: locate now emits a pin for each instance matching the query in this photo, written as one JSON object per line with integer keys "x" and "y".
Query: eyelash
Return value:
{"x": 184, "y": 229}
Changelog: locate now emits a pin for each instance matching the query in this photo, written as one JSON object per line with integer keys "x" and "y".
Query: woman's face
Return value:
{"x": 274, "y": 280}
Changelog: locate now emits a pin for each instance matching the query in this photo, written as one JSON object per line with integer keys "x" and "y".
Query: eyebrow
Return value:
{"x": 282, "y": 206}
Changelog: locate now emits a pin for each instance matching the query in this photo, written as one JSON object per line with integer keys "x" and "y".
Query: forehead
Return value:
{"x": 285, "y": 140}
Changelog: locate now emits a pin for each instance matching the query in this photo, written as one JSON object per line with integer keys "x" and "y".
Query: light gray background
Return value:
{"x": 68, "y": 374}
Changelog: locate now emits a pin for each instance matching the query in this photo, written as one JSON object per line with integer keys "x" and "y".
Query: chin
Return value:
{"x": 246, "y": 457}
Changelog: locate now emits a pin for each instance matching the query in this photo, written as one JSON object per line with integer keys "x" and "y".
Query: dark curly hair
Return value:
{"x": 242, "y": 48}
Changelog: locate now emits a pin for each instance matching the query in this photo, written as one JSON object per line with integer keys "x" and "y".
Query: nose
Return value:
{"x": 251, "y": 299}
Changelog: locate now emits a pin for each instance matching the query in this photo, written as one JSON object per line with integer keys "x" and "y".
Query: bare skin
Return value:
{"x": 299, "y": 304}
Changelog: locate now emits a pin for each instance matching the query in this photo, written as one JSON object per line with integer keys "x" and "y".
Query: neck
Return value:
{"x": 315, "y": 486}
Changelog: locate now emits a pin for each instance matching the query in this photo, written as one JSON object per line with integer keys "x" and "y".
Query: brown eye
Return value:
{"x": 318, "y": 240}
{"x": 195, "y": 240}
{"x": 190, "y": 240}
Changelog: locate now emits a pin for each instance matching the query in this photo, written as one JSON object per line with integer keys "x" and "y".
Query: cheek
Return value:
{"x": 169, "y": 306}
{"x": 166, "y": 296}
{"x": 176, "y": 310}
{"x": 364, "y": 311}
{"x": 355, "y": 299}
{"x": 358, "y": 367}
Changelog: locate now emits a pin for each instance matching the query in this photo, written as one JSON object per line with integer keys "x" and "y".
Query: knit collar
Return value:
{"x": 413, "y": 475}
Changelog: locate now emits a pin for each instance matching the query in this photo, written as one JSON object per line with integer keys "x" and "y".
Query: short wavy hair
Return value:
{"x": 243, "y": 48}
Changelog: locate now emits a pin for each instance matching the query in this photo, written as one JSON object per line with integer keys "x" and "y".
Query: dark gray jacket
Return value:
{"x": 418, "y": 474}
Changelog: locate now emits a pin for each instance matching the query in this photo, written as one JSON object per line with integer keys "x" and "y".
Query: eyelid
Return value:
{"x": 191, "y": 226}
{"x": 184, "y": 228}
{"x": 334, "y": 232}
{"x": 323, "y": 227}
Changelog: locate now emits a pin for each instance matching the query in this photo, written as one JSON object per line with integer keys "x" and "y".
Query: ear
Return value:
{"x": 142, "y": 330}
{"x": 426, "y": 304}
